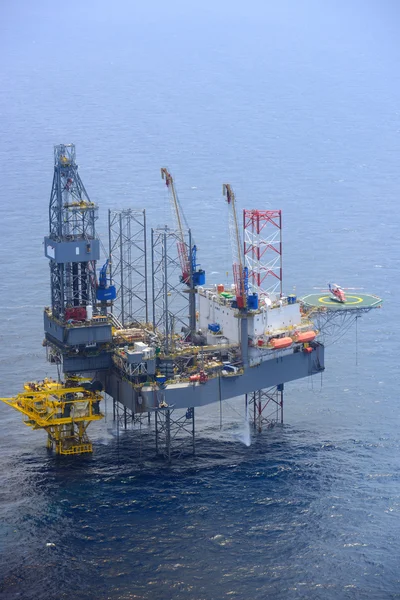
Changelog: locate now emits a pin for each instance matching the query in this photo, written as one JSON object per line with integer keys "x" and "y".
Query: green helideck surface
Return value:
{"x": 353, "y": 301}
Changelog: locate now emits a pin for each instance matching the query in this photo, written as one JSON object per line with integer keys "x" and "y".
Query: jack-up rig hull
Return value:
{"x": 191, "y": 395}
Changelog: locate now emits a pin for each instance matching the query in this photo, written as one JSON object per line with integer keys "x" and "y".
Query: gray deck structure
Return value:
{"x": 271, "y": 372}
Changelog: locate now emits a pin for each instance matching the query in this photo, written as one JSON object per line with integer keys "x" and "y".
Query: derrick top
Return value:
{"x": 64, "y": 155}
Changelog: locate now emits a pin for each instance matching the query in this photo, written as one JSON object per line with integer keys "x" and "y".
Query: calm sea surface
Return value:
{"x": 296, "y": 104}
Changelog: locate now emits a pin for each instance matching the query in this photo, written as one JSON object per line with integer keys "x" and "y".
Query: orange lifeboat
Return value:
{"x": 201, "y": 377}
{"x": 278, "y": 343}
{"x": 307, "y": 336}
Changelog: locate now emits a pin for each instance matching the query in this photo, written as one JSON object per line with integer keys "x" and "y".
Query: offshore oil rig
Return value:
{"x": 185, "y": 345}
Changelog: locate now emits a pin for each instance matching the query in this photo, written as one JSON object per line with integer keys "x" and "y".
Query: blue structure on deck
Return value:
{"x": 105, "y": 292}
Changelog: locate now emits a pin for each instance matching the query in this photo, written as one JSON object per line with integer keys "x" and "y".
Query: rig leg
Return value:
{"x": 280, "y": 391}
{"x": 168, "y": 434}
{"x": 193, "y": 434}
{"x": 172, "y": 429}
{"x": 267, "y": 407}
{"x": 156, "y": 430}
{"x": 125, "y": 416}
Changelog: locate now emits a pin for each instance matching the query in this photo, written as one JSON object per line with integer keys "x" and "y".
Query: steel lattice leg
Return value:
{"x": 173, "y": 430}
{"x": 267, "y": 407}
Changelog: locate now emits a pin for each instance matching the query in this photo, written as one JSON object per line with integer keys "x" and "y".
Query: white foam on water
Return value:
{"x": 246, "y": 438}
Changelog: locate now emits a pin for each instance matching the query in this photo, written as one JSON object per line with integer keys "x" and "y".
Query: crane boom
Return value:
{"x": 176, "y": 210}
{"x": 240, "y": 273}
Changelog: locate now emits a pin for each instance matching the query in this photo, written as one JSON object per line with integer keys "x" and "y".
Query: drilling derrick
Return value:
{"x": 72, "y": 245}
{"x": 75, "y": 334}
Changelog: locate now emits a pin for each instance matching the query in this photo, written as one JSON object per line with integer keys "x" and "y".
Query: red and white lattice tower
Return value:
{"x": 263, "y": 250}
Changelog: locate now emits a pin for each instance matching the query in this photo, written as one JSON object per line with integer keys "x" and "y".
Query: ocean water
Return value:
{"x": 296, "y": 104}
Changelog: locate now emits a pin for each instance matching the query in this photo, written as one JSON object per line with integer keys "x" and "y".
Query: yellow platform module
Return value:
{"x": 63, "y": 410}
